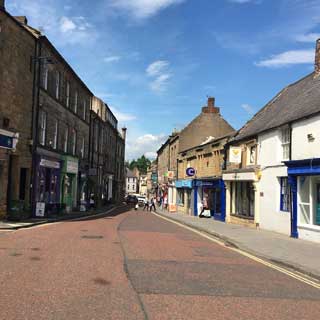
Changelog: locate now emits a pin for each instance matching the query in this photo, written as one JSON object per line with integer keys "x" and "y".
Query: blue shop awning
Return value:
{"x": 184, "y": 183}
{"x": 303, "y": 167}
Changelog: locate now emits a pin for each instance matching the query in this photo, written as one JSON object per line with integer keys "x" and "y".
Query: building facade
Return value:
{"x": 131, "y": 182}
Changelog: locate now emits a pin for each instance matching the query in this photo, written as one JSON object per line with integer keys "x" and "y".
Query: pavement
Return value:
{"x": 297, "y": 254}
{"x": 135, "y": 265}
{"x": 27, "y": 223}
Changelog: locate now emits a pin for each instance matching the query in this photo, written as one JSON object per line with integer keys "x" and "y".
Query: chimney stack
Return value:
{"x": 124, "y": 133}
{"x": 317, "y": 60}
{"x": 2, "y": 5}
{"x": 210, "y": 108}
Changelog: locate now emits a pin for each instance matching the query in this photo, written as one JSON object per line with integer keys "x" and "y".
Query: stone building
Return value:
{"x": 205, "y": 184}
{"x": 17, "y": 70}
{"x": 152, "y": 179}
{"x": 131, "y": 182}
{"x": 106, "y": 154}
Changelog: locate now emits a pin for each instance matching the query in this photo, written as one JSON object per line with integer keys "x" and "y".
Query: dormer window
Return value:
{"x": 285, "y": 143}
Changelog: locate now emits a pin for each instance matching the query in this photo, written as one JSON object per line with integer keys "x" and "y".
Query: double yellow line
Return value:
{"x": 297, "y": 276}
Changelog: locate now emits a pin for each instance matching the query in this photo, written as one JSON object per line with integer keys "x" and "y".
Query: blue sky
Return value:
{"x": 155, "y": 61}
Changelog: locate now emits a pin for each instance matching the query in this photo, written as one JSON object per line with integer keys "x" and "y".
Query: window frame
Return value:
{"x": 284, "y": 207}
{"x": 66, "y": 138}
{"x": 57, "y": 85}
{"x": 42, "y": 127}
{"x": 55, "y": 136}
{"x": 285, "y": 143}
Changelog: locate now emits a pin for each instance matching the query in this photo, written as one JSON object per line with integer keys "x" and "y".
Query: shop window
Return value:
{"x": 284, "y": 194}
{"x": 242, "y": 199}
{"x": 43, "y": 127}
{"x": 180, "y": 195}
{"x": 304, "y": 200}
{"x": 285, "y": 143}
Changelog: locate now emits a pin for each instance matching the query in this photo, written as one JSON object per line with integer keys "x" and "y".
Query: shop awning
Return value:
{"x": 303, "y": 167}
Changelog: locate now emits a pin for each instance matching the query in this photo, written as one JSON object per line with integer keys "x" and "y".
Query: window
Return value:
{"x": 45, "y": 77}
{"x": 84, "y": 116}
{"x": 252, "y": 150}
{"x": 75, "y": 106}
{"x": 180, "y": 196}
{"x": 284, "y": 194}
{"x": 285, "y": 142}
{"x": 57, "y": 92}
{"x": 68, "y": 94}
{"x": 82, "y": 148}
{"x": 96, "y": 136}
{"x": 73, "y": 141}
{"x": 55, "y": 135}
{"x": 66, "y": 136}
{"x": 43, "y": 127}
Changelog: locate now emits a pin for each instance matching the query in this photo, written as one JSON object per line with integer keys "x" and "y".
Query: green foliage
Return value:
{"x": 141, "y": 163}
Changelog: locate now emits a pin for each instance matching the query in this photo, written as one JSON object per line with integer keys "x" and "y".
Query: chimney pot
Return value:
{"x": 124, "y": 133}
{"x": 317, "y": 59}
{"x": 210, "y": 108}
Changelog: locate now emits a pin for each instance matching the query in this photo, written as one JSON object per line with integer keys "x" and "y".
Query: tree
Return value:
{"x": 141, "y": 163}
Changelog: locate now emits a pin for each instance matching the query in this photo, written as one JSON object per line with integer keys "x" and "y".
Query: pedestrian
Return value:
{"x": 152, "y": 205}
{"x": 165, "y": 201}
{"x": 204, "y": 206}
{"x": 145, "y": 204}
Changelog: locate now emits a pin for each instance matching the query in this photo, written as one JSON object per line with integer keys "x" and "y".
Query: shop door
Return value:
{"x": 216, "y": 197}
{"x": 67, "y": 196}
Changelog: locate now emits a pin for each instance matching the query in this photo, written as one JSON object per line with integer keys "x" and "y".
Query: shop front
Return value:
{"x": 210, "y": 195}
{"x": 304, "y": 180}
{"x": 172, "y": 197}
{"x": 242, "y": 197}
{"x": 69, "y": 182}
{"x": 184, "y": 196}
{"x": 47, "y": 186}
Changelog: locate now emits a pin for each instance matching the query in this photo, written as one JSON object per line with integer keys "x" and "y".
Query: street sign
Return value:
{"x": 6, "y": 142}
{"x": 190, "y": 172}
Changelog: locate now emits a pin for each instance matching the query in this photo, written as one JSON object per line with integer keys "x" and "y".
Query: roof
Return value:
{"x": 296, "y": 101}
{"x": 130, "y": 174}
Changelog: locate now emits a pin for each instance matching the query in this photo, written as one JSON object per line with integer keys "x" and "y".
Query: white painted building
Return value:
{"x": 131, "y": 182}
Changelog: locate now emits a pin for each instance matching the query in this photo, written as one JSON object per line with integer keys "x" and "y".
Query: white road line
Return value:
{"x": 294, "y": 275}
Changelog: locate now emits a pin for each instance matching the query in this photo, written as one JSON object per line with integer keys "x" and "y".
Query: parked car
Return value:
{"x": 131, "y": 199}
{"x": 141, "y": 200}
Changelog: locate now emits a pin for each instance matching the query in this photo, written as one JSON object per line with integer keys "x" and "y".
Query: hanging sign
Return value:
{"x": 190, "y": 172}
{"x": 235, "y": 154}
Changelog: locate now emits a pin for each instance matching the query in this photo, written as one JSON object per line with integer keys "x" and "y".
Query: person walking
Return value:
{"x": 152, "y": 205}
{"x": 204, "y": 206}
{"x": 145, "y": 204}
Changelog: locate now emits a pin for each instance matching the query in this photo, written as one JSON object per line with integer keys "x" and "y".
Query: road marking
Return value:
{"x": 294, "y": 275}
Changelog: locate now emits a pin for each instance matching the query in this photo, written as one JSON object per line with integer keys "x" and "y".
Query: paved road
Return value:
{"x": 134, "y": 265}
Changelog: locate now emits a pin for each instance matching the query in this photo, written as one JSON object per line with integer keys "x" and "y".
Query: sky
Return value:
{"x": 154, "y": 62}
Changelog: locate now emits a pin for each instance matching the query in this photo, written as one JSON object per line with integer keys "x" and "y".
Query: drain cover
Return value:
{"x": 92, "y": 237}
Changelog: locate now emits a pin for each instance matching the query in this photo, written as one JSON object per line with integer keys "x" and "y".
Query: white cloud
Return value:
{"x": 122, "y": 116}
{"x": 308, "y": 37}
{"x": 159, "y": 71}
{"x": 288, "y": 58}
{"x": 146, "y": 144}
{"x": 111, "y": 59}
{"x": 157, "y": 68}
{"x": 66, "y": 24}
{"x": 249, "y": 109}
{"x": 142, "y": 9}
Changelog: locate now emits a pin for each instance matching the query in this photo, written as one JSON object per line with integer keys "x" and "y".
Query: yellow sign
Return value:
{"x": 235, "y": 154}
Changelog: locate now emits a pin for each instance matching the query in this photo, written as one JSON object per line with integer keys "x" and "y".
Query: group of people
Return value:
{"x": 149, "y": 204}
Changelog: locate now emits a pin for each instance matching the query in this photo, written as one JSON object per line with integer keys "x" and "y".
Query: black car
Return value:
{"x": 131, "y": 199}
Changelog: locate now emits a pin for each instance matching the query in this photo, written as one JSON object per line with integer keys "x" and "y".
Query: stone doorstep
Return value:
{"x": 229, "y": 242}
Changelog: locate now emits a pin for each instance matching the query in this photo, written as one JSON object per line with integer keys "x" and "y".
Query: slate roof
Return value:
{"x": 298, "y": 100}
{"x": 130, "y": 174}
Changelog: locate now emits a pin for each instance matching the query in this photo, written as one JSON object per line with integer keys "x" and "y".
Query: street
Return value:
{"x": 135, "y": 265}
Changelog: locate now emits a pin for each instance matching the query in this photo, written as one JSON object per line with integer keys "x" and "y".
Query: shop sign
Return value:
{"x": 170, "y": 174}
{"x": 72, "y": 167}
{"x": 50, "y": 164}
{"x": 184, "y": 184}
{"x": 154, "y": 177}
{"x": 200, "y": 183}
{"x": 40, "y": 209}
{"x": 6, "y": 142}
{"x": 190, "y": 172}
{"x": 235, "y": 154}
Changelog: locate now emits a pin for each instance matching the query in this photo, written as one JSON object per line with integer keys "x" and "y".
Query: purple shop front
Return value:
{"x": 47, "y": 186}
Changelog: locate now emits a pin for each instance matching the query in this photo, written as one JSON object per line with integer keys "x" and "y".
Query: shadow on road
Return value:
{"x": 107, "y": 215}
